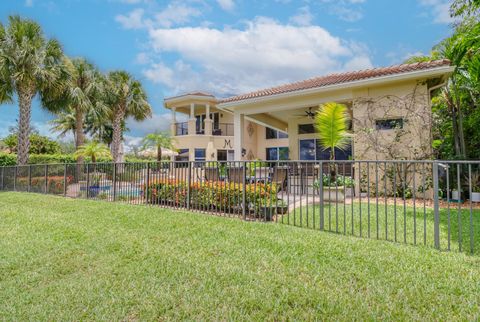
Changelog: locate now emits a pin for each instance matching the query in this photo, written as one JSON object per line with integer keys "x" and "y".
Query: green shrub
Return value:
{"x": 211, "y": 195}
{"x": 7, "y": 159}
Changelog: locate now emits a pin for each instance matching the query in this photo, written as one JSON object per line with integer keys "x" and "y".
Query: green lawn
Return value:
{"x": 399, "y": 224}
{"x": 64, "y": 259}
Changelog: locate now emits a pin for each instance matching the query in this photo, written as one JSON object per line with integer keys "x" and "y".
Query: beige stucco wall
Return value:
{"x": 254, "y": 141}
{"x": 410, "y": 101}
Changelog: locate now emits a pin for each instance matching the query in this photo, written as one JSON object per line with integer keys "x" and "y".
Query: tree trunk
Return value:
{"x": 25, "y": 96}
{"x": 79, "y": 135}
{"x": 333, "y": 168}
{"x": 453, "y": 112}
{"x": 159, "y": 153}
{"x": 117, "y": 133}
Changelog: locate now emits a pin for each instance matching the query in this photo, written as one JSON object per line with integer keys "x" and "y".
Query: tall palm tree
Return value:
{"x": 331, "y": 122}
{"x": 125, "y": 98}
{"x": 81, "y": 95}
{"x": 92, "y": 150}
{"x": 158, "y": 140}
{"x": 29, "y": 64}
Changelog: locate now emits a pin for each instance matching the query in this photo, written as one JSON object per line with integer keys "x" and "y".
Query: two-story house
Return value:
{"x": 208, "y": 134}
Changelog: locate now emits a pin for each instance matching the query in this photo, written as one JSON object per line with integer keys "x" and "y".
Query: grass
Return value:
{"x": 401, "y": 224}
{"x": 65, "y": 259}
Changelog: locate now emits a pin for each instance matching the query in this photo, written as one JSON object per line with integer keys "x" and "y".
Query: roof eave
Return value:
{"x": 432, "y": 72}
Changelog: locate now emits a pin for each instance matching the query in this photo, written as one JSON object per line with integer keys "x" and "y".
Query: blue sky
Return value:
{"x": 229, "y": 46}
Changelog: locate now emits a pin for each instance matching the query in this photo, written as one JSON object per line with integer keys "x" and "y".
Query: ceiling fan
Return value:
{"x": 309, "y": 113}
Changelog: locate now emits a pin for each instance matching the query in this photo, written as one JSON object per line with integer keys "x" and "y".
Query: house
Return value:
{"x": 208, "y": 133}
{"x": 389, "y": 106}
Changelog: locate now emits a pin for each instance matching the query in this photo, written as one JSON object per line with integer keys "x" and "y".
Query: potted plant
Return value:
{"x": 331, "y": 122}
{"x": 331, "y": 190}
{"x": 267, "y": 208}
{"x": 475, "y": 197}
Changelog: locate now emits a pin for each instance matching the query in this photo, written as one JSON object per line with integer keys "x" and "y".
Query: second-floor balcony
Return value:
{"x": 219, "y": 129}
{"x": 223, "y": 129}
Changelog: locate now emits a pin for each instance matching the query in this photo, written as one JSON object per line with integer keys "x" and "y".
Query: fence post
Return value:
{"x": 29, "y": 188}
{"x": 320, "y": 192}
{"x": 2, "y": 182}
{"x": 147, "y": 185}
{"x": 46, "y": 178}
{"x": 436, "y": 205}
{"x": 88, "y": 180}
{"x": 244, "y": 196}
{"x": 114, "y": 181}
{"x": 15, "y": 178}
{"x": 189, "y": 180}
{"x": 65, "y": 181}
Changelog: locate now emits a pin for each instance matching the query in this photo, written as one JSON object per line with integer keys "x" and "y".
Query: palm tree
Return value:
{"x": 64, "y": 123}
{"x": 92, "y": 150}
{"x": 29, "y": 64}
{"x": 331, "y": 122}
{"x": 157, "y": 140}
{"x": 125, "y": 98}
{"x": 81, "y": 95}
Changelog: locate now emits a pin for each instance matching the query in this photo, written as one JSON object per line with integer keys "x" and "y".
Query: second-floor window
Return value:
{"x": 274, "y": 134}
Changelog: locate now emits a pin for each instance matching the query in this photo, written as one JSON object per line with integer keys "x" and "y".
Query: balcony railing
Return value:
{"x": 223, "y": 129}
{"x": 181, "y": 128}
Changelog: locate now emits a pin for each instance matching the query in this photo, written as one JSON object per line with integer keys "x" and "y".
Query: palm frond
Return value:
{"x": 331, "y": 122}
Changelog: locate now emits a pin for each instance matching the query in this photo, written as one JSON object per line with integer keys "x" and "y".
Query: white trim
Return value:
{"x": 180, "y": 98}
{"x": 358, "y": 83}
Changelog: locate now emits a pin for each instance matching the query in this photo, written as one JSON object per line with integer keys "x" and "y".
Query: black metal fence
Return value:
{"x": 432, "y": 203}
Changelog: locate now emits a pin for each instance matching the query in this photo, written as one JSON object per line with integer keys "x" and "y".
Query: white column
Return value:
{"x": 208, "y": 121}
{"x": 192, "y": 128}
{"x": 192, "y": 111}
{"x": 174, "y": 115}
{"x": 238, "y": 129}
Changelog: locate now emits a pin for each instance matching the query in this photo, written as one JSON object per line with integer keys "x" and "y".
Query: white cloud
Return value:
{"x": 439, "y": 10}
{"x": 176, "y": 13}
{"x": 262, "y": 54}
{"x": 226, "y": 5}
{"x": 142, "y": 59}
{"x": 303, "y": 18}
{"x": 28, "y": 3}
{"x": 133, "y": 20}
{"x": 347, "y": 10}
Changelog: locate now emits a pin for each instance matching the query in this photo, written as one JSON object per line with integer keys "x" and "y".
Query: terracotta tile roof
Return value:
{"x": 191, "y": 93}
{"x": 340, "y": 78}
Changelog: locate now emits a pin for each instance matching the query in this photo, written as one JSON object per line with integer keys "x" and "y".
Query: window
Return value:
{"x": 280, "y": 153}
{"x": 274, "y": 134}
{"x": 306, "y": 128}
{"x": 200, "y": 122}
{"x": 311, "y": 149}
{"x": 225, "y": 155}
{"x": 389, "y": 124}
{"x": 199, "y": 154}
{"x": 307, "y": 149}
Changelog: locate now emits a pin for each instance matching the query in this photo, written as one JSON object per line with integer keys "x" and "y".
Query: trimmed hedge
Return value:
{"x": 10, "y": 159}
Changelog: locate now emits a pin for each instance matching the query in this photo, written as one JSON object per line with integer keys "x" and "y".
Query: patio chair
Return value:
{"x": 279, "y": 177}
